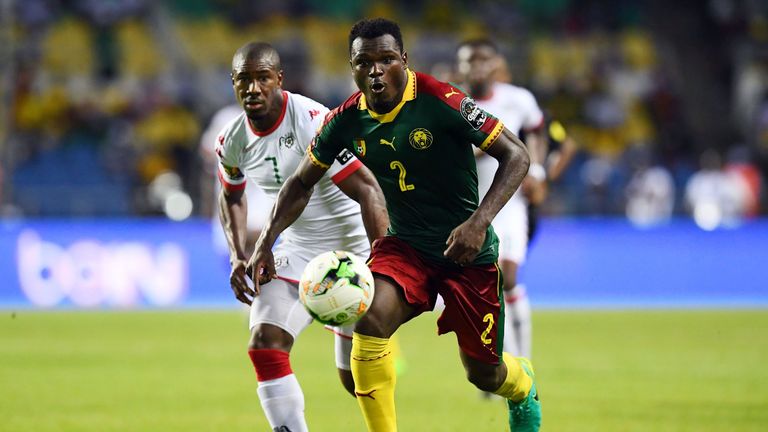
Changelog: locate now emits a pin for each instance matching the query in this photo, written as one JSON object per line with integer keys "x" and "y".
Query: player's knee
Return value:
{"x": 483, "y": 381}
{"x": 388, "y": 311}
{"x": 270, "y": 337}
{"x": 485, "y": 377}
{"x": 373, "y": 325}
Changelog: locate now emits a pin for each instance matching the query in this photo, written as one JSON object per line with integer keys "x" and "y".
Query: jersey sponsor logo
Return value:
{"x": 382, "y": 141}
{"x": 359, "y": 144}
{"x": 313, "y": 113}
{"x": 473, "y": 114}
{"x": 420, "y": 138}
{"x": 287, "y": 141}
{"x": 451, "y": 93}
{"x": 344, "y": 156}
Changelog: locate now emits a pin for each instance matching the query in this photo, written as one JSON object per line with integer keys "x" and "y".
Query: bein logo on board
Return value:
{"x": 92, "y": 273}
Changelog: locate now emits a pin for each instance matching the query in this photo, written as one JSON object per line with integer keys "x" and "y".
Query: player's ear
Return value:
{"x": 280, "y": 78}
{"x": 404, "y": 56}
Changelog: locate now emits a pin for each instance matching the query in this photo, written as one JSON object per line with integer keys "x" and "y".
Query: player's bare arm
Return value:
{"x": 465, "y": 241}
{"x": 291, "y": 202}
{"x": 559, "y": 160}
{"x": 362, "y": 187}
{"x": 233, "y": 214}
{"x": 535, "y": 184}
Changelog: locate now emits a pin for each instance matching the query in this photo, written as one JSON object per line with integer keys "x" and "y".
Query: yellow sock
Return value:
{"x": 517, "y": 384}
{"x": 373, "y": 369}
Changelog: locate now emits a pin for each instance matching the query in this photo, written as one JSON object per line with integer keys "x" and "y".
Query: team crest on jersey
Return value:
{"x": 473, "y": 114}
{"x": 420, "y": 138}
{"x": 359, "y": 146}
{"x": 287, "y": 141}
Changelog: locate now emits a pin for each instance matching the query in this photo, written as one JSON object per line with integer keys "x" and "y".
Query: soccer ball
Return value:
{"x": 336, "y": 288}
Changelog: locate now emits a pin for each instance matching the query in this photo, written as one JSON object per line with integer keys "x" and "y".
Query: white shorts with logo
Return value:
{"x": 511, "y": 225}
{"x": 278, "y": 303}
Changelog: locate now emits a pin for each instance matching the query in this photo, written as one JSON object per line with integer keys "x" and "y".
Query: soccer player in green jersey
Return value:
{"x": 416, "y": 135}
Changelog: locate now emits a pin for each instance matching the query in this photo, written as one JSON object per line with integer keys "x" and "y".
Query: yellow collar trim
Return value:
{"x": 408, "y": 95}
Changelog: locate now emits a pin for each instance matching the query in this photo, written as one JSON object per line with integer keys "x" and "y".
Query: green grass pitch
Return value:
{"x": 188, "y": 371}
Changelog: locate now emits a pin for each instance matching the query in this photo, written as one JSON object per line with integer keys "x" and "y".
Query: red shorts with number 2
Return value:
{"x": 472, "y": 295}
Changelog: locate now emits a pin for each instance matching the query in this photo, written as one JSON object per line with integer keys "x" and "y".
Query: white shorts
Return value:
{"x": 511, "y": 225}
{"x": 278, "y": 303}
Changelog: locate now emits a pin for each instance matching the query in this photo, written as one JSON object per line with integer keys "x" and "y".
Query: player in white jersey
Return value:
{"x": 258, "y": 203}
{"x": 477, "y": 64}
{"x": 265, "y": 144}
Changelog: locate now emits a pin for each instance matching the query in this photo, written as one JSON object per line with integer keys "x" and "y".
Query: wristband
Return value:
{"x": 538, "y": 172}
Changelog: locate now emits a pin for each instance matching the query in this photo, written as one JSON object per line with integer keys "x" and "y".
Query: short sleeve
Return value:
{"x": 533, "y": 117}
{"x": 477, "y": 125}
{"x": 229, "y": 173}
{"x": 344, "y": 164}
{"x": 326, "y": 145}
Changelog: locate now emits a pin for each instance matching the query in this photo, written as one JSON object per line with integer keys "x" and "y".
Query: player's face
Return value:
{"x": 257, "y": 85}
{"x": 378, "y": 68}
{"x": 476, "y": 65}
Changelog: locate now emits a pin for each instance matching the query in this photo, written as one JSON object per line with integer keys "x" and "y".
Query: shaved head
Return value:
{"x": 257, "y": 51}
{"x": 257, "y": 79}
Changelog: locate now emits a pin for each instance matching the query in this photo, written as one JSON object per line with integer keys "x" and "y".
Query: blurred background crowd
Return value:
{"x": 105, "y": 102}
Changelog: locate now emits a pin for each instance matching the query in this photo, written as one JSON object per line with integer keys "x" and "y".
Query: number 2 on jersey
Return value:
{"x": 399, "y": 166}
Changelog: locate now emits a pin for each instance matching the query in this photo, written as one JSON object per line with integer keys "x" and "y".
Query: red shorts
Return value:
{"x": 472, "y": 295}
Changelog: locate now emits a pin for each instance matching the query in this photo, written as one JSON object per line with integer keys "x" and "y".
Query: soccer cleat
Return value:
{"x": 525, "y": 416}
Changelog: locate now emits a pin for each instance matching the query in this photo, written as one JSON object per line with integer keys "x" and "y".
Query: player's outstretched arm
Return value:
{"x": 291, "y": 201}
{"x": 465, "y": 241}
{"x": 561, "y": 159}
{"x": 362, "y": 187}
{"x": 233, "y": 215}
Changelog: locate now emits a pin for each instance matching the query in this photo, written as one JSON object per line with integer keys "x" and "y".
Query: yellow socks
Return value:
{"x": 373, "y": 369}
{"x": 517, "y": 384}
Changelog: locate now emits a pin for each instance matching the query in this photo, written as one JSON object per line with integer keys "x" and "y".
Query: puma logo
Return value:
{"x": 388, "y": 143}
{"x": 368, "y": 394}
{"x": 451, "y": 93}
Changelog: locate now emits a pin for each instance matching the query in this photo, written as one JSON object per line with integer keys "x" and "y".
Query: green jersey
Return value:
{"x": 421, "y": 155}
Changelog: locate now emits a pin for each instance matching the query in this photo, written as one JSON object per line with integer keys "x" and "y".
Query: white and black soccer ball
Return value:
{"x": 336, "y": 288}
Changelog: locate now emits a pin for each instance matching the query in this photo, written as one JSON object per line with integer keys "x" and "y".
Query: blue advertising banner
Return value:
{"x": 111, "y": 263}
{"x": 572, "y": 263}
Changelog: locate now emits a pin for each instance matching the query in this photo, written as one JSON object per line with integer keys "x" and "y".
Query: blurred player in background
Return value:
{"x": 478, "y": 62}
{"x": 415, "y": 134}
{"x": 265, "y": 143}
{"x": 560, "y": 150}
